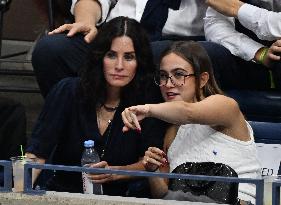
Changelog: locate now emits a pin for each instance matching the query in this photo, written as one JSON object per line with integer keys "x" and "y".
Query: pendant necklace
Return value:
{"x": 107, "y": 134}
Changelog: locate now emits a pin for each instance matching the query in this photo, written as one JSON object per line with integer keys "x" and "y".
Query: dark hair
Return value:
{"x": 196, "y": 55}
{"x": 93, "y": 82}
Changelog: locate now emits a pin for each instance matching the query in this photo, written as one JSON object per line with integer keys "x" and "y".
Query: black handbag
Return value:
{"x": 220, "y": 192}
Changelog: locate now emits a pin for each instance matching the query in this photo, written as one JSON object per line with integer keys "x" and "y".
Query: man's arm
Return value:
{"x": 221, "y": 29}
{"x": 265, "y": 24}
{"x": 87, "y": 14}
{"x": 87, "y": 11}
{"x": 226, "y": 7}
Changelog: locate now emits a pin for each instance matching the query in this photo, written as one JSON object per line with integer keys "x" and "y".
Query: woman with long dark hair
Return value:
{"x": 77, "y": 109}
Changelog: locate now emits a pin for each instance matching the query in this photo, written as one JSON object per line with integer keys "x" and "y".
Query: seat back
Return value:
{"x": 268, "y": 139}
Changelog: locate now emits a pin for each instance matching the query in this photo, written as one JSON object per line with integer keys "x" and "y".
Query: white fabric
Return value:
{"x": 201, "y": 143}
{"x": 266, "y": 24}
{"x": 221, "y": 29}
{"x": 187, "y": 21}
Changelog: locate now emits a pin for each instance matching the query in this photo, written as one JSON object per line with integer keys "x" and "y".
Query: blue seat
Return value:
{"x": 263, "y": 106}
{"x": 267, "y": 133}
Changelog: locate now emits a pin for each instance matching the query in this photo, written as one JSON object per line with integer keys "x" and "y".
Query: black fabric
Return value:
{"x": 155, "y": 15}
{"x": 220, "y": 192}
{"x": 12, "y": 128}
{"x": 65, "y": 122}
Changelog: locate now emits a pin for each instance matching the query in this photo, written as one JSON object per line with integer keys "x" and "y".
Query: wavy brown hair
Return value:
{"x": 197, "y": 56}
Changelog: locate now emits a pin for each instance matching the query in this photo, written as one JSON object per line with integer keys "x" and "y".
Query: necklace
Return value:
{"x": 106, "y": 134}
{"x": 110, "y": 109}
{"x": 108, "y": 131}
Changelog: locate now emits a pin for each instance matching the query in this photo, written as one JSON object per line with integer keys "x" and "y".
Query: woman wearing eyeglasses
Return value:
{"x": 209, "y": 134}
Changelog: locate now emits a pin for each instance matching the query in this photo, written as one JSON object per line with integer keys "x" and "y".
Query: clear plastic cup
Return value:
{"x": 18, "y": 171}
{"x": 268, "y": 188}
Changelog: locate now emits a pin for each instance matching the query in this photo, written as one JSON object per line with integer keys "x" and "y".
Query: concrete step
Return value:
{"x": 17, "y": 80}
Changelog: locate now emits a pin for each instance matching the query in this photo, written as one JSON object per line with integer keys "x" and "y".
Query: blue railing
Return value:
{"x": 276, "y": 192}
{"x": 28, "y": 179}
{"x": 7, "y": 176}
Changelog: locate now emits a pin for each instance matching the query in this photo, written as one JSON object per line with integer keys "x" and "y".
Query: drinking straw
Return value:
{"x": 21, "y": 149}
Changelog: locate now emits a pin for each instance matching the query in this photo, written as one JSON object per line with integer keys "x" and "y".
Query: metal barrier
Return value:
{"x": 28, "y": 177}
{"x": 7, "y": 176}
{"x": 276, "y": 192}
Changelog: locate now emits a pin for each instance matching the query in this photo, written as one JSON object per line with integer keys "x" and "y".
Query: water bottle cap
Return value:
{"x": 89, "y": 143}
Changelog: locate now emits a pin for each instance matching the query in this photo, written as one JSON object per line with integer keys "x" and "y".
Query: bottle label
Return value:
{"x": 87, "y": 184}
{"x": 89, "y": 187}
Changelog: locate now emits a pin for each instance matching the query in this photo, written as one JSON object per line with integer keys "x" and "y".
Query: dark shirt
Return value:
{"x": 65, "y": 123}
{"x": 155, "y": 15}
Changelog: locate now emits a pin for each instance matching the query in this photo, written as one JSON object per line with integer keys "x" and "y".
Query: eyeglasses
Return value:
{"x": 177, "y": 77}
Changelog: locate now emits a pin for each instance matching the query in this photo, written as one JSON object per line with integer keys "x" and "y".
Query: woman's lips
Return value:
{"x": 118, "y": 76}
{"x": 171, "y": 95}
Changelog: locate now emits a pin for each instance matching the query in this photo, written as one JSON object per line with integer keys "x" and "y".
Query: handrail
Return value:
{"x": 276, "y": 192}
{"x": 28, "y": 177}
{"x": 28, "y": 173}
{"x": 7, "y": 176}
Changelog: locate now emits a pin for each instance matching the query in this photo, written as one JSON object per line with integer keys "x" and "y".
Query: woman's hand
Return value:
{"x": 90, "y": 31}
{"x": 101, "y": 178}
{"x": 132, "y": 115}
{"x": 154, "y": 158}
{"x": 273, "y": 53}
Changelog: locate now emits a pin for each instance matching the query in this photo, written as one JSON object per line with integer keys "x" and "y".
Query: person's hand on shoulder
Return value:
{"x": 90, "y": 31}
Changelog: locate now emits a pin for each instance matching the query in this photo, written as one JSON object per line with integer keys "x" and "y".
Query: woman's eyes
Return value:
{"x": 110, "y": 55}
{"x": 179, "y": 74}
{"x": 127, "y": 56}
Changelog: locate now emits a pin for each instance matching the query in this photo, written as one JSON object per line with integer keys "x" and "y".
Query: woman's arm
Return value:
{"x": 216, "y": 111}
{"x": 105, "y": 178}
{"x": 158, "y": 186}
{"x": 156, "y": 160}
{"x": 213, "y": 110}
{"x": 38, "y": 160}
{"x": 51, "y": 123}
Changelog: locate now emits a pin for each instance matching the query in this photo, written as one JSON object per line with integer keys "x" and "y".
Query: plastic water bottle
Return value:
{"x": 90, "y": 156}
